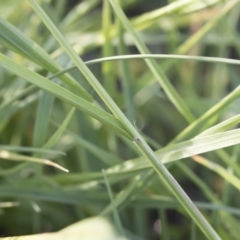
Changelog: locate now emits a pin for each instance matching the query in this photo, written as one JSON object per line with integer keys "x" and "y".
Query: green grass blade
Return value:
{"x": 181, "y": 196}
{"x": 62, "y": 93}
{"x": 154, "y": 67}
{"x": 15, "y": 40}
{"x": 199, "y": 144}
{"x": 184, "y": 6}
{"x": 182, "y": 150}
{"x": 54, "y": 195}
{"x": 205, "y": 120}
{"x": 44, "y": 111}
{"x": 55, "y": 137}
{"x": 78, "y": 11}
{"x": 125, "y": 74}
{"x": 165, "y": 234}
{"x": 132, "y": 188}
{"x": 29, "y": 149}
{"x": 79, "y": 63}
{"x": 221, "y": 127}
{"x": 108, "y": 71}
{"x": 229, "y": 177}
{"x": 146, "y": 19}
{"x": 115, "y": 211}
{"x": 165, "y": 56}
{"x": 226, "y": 218}
{"x": 105, "y": 156}
{"x": 153, "y": 56}
{"x": 21, "y": 94}
{"x": 165, "y": 202}
{"x": 204, "y": 30}
{"x": 226, "y": 159}
{"x": 9, "y": 110}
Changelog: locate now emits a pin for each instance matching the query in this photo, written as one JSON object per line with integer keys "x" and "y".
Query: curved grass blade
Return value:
{"x": 153, "y": 56}
{"x": 16, "y": 157}
{"x": 165, "y": 56}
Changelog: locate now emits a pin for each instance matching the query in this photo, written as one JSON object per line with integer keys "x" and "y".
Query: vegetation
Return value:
{"x": 122, "y": 109}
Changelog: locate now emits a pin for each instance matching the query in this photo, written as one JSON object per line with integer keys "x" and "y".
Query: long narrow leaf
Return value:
{"x": 229, "y": 177}
{"x": 55, "y": 137}
{"x": 16, "y": 157}
{"x": 154, "y": 67}
{"x": 62, "y": 93}
{"x": 15, "y": 40}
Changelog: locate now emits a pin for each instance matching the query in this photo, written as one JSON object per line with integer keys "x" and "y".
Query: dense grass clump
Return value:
{"x": 122, "y": 111}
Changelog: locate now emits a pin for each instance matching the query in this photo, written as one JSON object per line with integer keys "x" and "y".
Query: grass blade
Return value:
{"x": 229, "y": 177}
{"x": 29, "y": 149}
{"x": 44, "y": 110}
{"x": 62, "y": 93}
{"x": 115, "y": 211}
{"x": 15, "y": 40}
{"x": 153, "y": 66}
{"x": 55, "y": 137}
{"x": 202, "y": 32}
{"x": 16, "y": 157}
